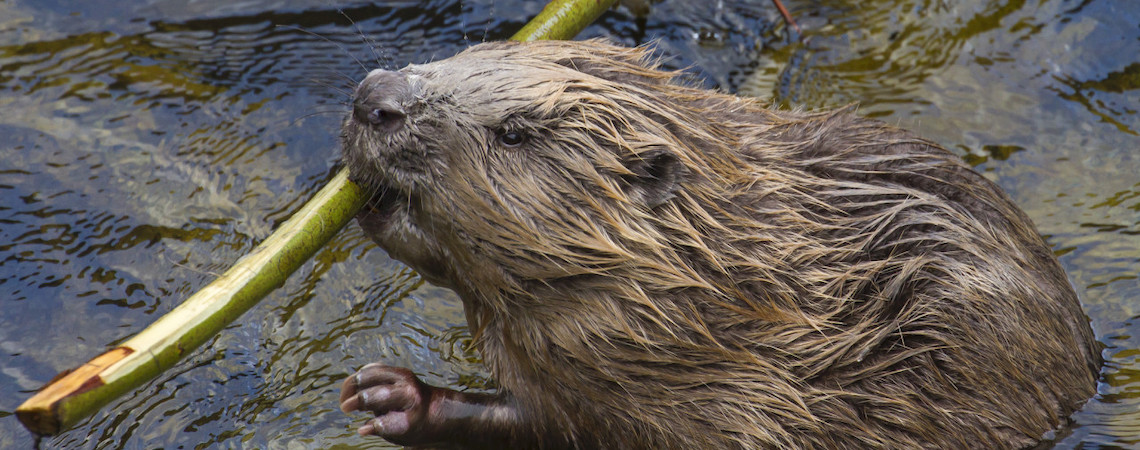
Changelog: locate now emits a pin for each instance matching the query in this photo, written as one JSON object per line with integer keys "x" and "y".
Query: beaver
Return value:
{"x": 647, "y": 264}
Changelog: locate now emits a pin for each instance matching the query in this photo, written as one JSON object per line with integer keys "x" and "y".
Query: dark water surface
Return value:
{"x": 146, "y": 145}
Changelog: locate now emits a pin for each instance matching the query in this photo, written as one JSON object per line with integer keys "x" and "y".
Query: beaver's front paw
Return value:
{"x": 398, "y": 398}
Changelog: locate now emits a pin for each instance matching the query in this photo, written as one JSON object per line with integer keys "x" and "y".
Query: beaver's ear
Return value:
{"x": 656, "y": 177}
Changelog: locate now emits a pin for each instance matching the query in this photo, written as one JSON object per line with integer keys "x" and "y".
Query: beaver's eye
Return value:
{"x": 511, "y": 138}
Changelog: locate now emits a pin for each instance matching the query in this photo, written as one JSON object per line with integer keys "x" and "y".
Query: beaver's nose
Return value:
{"x": 380, "y": 100}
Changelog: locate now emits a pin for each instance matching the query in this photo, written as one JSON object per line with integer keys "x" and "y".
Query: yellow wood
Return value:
{"x": 39, "y": 414}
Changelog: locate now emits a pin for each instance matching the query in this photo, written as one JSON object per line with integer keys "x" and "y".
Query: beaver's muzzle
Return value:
{"x": 379, "y": 100}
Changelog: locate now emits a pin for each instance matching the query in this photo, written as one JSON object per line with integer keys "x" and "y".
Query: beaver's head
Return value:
{"x": 514, "y": 163}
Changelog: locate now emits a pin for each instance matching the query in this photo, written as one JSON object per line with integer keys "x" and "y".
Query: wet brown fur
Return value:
{"x": 659, "y": 266}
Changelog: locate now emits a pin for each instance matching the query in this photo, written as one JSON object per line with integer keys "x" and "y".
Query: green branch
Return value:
{"x": 78, "y": 393}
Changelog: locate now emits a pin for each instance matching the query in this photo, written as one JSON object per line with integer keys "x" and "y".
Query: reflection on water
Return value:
{"x": 147, "y": 145}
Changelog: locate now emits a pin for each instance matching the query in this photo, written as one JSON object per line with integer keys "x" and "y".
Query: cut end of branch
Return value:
{"x": 41, "y": 414}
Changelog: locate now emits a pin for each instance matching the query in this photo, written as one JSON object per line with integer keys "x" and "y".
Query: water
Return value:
{"x": 149, "y": 144}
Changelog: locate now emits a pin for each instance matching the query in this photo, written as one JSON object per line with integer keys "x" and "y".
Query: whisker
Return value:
{"x": 337, "y": 44}
{"x": 346, "y": 91}
{"x": 297, "y": 121}
{"x": 487, "y": 27}
{"x": 367, "y": 41}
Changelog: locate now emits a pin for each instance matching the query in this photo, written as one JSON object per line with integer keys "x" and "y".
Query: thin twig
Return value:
{"x": 788, "y": 17}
